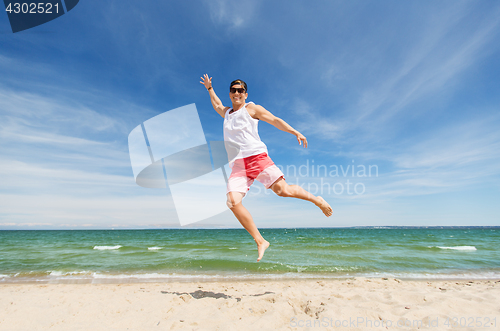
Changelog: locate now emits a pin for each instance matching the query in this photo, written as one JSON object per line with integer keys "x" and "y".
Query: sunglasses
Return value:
{"x": 235, "y": 89}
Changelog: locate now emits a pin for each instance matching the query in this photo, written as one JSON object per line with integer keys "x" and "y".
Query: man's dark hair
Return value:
{"x": 239, "y": 82}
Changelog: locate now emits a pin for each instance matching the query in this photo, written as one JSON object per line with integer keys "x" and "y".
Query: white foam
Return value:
{"x": 295, "y": 275}
{"x": 188, "y": 277}
{"x": 155, "y": 275}
{"x": 460, "y": 248}
{"x": 154, "y": 248}
{"x": 434, "y": 276}
{"x": 68, "y": 273}
{"x": 103, "y": 248}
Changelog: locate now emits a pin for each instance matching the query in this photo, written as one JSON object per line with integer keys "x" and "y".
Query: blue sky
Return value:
{"x": 410, "y": 88}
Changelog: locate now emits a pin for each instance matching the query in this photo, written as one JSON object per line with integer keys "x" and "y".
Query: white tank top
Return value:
{"x": 240, "y": 129}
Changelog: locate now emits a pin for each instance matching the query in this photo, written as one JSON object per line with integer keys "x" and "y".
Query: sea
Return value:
{"x": 166, "y": 255}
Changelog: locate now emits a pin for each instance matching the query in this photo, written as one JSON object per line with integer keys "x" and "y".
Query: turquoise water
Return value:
{"x": 198, "y": 254}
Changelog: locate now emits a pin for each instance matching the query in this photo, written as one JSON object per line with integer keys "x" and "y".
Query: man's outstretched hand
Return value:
{"x": 301, "y": 139}
{"x": 207, "y": 81}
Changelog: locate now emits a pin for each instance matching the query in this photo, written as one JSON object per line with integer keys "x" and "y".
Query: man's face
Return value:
{"x": 238, "y": 94}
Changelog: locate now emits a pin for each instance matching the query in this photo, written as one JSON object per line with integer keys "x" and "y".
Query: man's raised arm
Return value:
{"x": 216, "y": 103}
{"x": 265, "y": 115}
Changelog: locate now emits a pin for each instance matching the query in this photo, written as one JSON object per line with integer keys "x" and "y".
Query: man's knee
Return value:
{"x": 233, "y": 200}
{"x": 283, "y": 191}
{"x": 230, "y": 204}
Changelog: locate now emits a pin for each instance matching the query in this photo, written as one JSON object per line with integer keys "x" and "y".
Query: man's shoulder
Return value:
{"x": 253, "y": 106}
{"x": 253, "y": 109}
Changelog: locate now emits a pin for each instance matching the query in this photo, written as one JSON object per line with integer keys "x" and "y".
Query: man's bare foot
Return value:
{"x": 261, "y": 249}
{"x": 325, "y": 207}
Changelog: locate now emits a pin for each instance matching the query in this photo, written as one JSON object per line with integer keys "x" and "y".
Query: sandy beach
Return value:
{"x": 348, "y": 304}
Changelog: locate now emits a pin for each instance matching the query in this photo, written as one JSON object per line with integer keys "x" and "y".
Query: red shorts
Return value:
{"x": 246, "y": 170}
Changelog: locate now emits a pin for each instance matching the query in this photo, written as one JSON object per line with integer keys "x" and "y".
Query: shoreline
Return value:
{"x": 232, "y": 280}
{"x": 119, "y": 279}
{"x": 355, "y": 304}
{"x": 91, "y": 277}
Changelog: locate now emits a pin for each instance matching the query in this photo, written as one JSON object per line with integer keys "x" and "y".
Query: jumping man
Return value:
{"x": 252, "y": 161}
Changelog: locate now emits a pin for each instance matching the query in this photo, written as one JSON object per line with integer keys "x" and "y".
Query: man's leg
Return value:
{"x": 246, "y": 220}
{"x": 281, "y": 188}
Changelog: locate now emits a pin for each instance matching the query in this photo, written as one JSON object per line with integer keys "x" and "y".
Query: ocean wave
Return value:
{"x": 57, "y": 273}
{"x": 97, "y": 275}
{"x": 485, "y": 275}
{"x": 154, "y": 248}
{"x": 214, "y": 276}
{"x": 103, "y": 248}
{"x": 459, "y": 248}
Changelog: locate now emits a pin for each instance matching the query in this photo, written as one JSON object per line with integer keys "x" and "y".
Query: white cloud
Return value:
{"x": 314, "y": 122}
{"x": 426, "y": 64}
{"x": 451, "y": 158}
{"x": 63, "y": 164}
{"x": 31, "y": 178}
{"x": 64, "y": 211}
{"x": 472, "y": 143}
{"x": 37, "y": 111}
{"x": 231, "y": 13}
{"x": 430, "y": 69}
